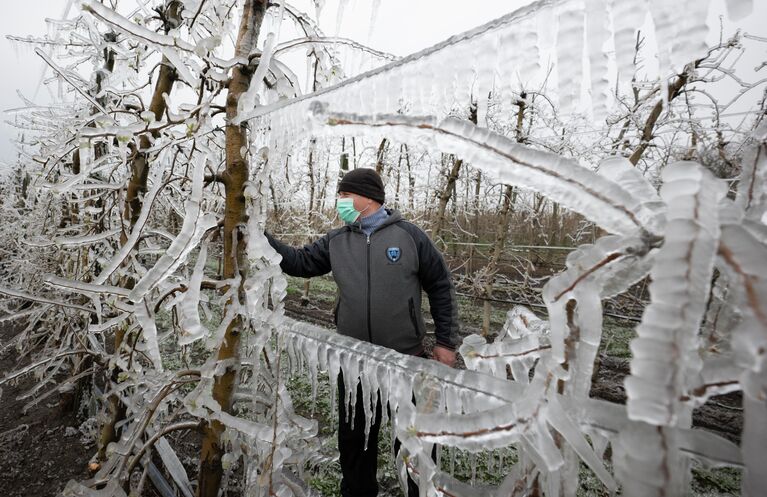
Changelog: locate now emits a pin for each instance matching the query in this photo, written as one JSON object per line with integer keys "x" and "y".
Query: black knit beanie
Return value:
{"x": 365, "y": 182}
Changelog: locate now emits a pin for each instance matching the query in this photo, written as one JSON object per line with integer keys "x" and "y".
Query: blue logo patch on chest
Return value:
{"x": 393, "y": 254}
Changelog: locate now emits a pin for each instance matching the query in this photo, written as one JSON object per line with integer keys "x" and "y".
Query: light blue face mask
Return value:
{"x": 346, "y": 210}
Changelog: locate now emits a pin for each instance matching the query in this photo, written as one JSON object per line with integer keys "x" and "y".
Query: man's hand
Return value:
{"x": 443, "y": 355}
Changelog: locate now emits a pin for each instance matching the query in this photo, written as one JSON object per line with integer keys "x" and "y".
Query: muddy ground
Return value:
{"x": 40, "y": 450}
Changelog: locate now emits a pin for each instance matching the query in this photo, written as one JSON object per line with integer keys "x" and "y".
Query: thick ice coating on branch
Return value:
{"x": 743, "y": 258}
{"x": 752, "y": 191}
{"x": 561, "y": 179}
{"x": 474, "y": 411}
{"x": 558, "y": 63}
{"x": 573, "y": 299}
{"x": 138, "y": 228}
{"x": 509, "y": 50}
{"x": 196, "y": 223}
{"x": 665, "y": 360}
{"x": 188, "y": 306}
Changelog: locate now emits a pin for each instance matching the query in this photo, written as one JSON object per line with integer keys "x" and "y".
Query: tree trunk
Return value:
{"x": 310, "y": 220}
{"x": 445, "y": 197}
{"x": 475, "y": 224}
{"x": 498, "y": 246}
{"x": 210, "y": 471}
{"x": 380, "y": 155}
{"x": 410, "y": 180}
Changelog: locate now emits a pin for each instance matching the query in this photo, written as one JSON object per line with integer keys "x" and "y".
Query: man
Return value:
{"x": 380, "y": 263}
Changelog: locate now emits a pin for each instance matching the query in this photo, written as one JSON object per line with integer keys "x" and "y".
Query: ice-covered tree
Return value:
{"x": 180, "y": 120}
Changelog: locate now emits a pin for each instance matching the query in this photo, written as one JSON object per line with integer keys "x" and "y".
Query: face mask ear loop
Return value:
{"x": 366, "y": 208}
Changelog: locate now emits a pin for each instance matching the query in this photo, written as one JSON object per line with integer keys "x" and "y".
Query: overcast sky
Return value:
{"x": 402, "y": 27}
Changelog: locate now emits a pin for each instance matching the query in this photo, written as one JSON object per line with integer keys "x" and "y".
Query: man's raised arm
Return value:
{"x": 313, "y": 259}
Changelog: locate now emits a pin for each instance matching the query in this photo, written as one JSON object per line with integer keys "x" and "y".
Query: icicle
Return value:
{"x": 26, "y": 296}
{"x": 174, "y": 466}
{"x": 340, "y": 14}
{"x": 485, "y": 66}
{"x": 569, "y": 55}
{"x": 318, "y": 5}
{"x": 665, "y": 16}
{"x": 80, "y": 241}
{"x": 250, "y": 99}
{"x": 627, "y": 18}
{"x": 374, "y": 8}
{"x": 565, "y": 426}
{"x": 85, "y": 288}
{"x": 690, "y": 40}
{"x": 524, "y": 37}
{"x": 597, "y": 34}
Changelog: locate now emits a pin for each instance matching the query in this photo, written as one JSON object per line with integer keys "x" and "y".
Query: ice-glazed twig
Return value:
{"x": 119, "y": 22}
{"x": 78, "y": 88}
{"x": 138, "y": 227}
{"x": 85, "y": 288}
{"x": 34, "y": 298}
{"x": 320, "y": 41}
{"x": 196, "y": 223}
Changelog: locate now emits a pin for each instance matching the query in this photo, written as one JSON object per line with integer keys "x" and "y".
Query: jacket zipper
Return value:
{"x": 370, "y": 330}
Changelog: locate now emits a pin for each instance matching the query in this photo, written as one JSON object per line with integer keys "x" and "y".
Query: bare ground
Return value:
{"x": 40, "y": 450}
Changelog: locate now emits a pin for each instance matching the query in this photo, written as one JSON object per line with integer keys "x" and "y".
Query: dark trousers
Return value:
{"x": 359, "y": 465}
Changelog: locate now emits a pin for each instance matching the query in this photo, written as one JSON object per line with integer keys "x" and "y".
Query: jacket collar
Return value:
{"x": 394, "y": 216}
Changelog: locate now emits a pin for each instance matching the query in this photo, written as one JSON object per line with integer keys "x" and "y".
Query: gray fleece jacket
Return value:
{"x": 380, "y": 278}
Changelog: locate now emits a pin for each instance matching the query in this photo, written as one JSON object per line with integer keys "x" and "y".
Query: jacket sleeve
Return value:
{"x": 312, "y": 259}
{"x": 437, "y": 282}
